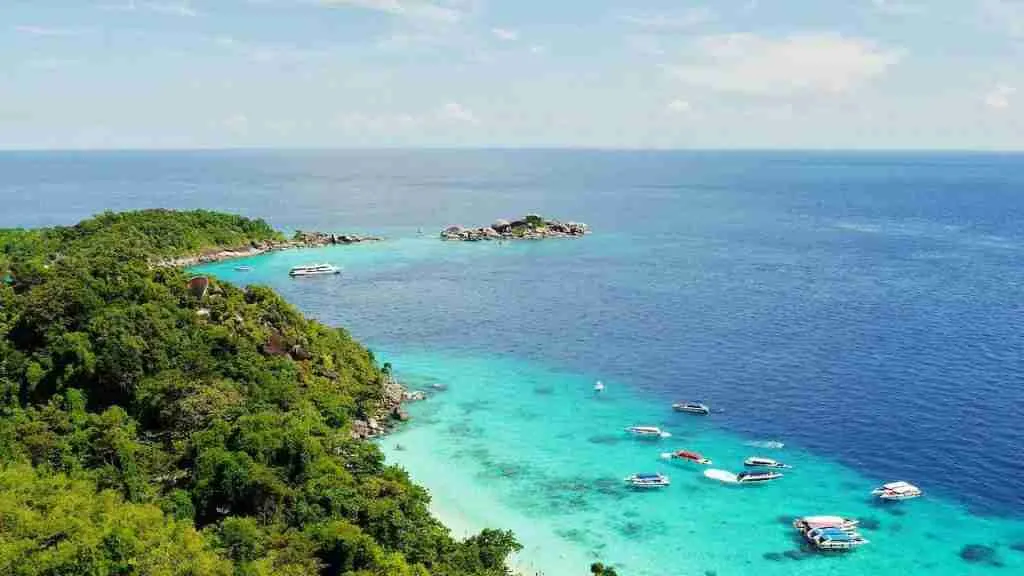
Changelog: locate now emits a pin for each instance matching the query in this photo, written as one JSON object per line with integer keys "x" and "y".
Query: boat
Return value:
{"x": 755, "y": 477}
{"x": 648, "y": 432}
{"x": 760, "y": 462}
{"x": 599, "y": 386}
{"x": 691, "y": 408}
{"x": 834, "y": 539}
{"x": 314, "y": 270}
{"x": 243, "y": 268}
{"x": 656, "y": 480}
{"x": 686, "y": 455}
{"x": 805, "y": 523}
{"x": 897, "y": 491}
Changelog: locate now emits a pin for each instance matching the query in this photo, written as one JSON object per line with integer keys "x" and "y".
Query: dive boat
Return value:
{"x": 755, "y": 477}
{"x": 314, "y": 270}
{"x": 834, "y": 539}
{"x": 648, "y": 432}
{"x": 759, "y": 462}
{"x": 806, "y": 523}
{"x": 656, "y": 480}
{"x": 691, "y": 408}
{"x": 686, "y": 455}
{"x": 897, "y": 491}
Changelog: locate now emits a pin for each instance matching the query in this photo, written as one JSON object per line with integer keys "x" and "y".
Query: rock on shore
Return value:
{"x": 530, "y": 227}
{"x": 300, "y": 240}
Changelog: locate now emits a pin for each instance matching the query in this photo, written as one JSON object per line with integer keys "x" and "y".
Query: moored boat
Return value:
{"x": 687, "y": 456}
{"x": 805, "y": 523}
{"x": 897, "y": 491}
{"x": 243, "y": 268}
{"x": 648, "y": 432}
{"x": 756, "y": 477}
{"x": 691, "y": 408}
{"x": 314, "y": 270}
{"x": 761, "y": 462}
{"x": 834, "y": 539}
{"x": 655, "y": 480}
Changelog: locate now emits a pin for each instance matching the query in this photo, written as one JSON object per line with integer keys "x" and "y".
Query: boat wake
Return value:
{"x": 770, "y": 444}
{"x": 722, "y": 476}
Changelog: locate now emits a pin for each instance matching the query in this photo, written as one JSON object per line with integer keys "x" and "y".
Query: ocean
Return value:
{"x": 862, "y": 308}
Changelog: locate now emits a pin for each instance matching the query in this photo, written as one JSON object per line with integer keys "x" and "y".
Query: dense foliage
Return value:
{"x": 147, "y": 430}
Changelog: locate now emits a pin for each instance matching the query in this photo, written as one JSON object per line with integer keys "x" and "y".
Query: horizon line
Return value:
{"x": 556, "y": 148}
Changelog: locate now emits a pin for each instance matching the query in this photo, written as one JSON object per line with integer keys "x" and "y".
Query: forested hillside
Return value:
{"x": 147, "y": 430}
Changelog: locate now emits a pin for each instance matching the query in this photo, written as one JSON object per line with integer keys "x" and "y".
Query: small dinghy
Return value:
{"x": 760, "y": 462}
{"x": 599, "y": 386}
{"x": 757, "y": 477}
{"x": 897, "y": 491}
{"x": 648, "y": 432}
{"x": 656, "y": 480}
{"x": 243, "y": 268}
{"x": 691, "y": 408}
{"x": 811, "y": 522}
{"x": 686, "y": 456}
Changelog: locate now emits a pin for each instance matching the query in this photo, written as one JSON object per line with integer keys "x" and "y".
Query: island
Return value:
{"x": 153, "y": 425}
{"x": 530, "y": 227}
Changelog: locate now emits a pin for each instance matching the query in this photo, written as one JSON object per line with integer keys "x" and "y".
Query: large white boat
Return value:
{"x": 897, "y": 491}
{"x": 691, "y": 408}
{"x": 656, "y": 480}
{"x": 811, "y": 522}
{"x": 834, "y": 539}
{"x": 314, "y": 270}
{"x": 648, "y": 432}
{"x": 761, "y": 462}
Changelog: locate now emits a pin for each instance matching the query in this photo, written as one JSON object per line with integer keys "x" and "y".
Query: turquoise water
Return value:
{"x": 863, "y": 308}
{"x": 520, "y": 445}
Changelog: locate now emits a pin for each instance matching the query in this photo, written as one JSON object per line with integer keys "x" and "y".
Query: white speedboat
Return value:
{"x": 897, "y": 491}
{"x": 760, "y": 462}
{"x": 834, "y": 539}
{"x": 811, "y": 522}
{"x": 599, "y": 386}
{"x": 243, "y": 268}
{"x": 691, "y": 408}
{"x": 314, "y": 270}
{"x": 757, "y": 477}
{"x": 648, "y": 432}
{"x": 687, "y": 456}
{"x": 656, "y": 480}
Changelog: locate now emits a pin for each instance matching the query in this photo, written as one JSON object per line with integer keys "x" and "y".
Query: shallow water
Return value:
{"x": 862, "y": 308}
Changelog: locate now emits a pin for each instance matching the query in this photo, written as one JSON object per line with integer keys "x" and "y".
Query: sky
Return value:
{"x": 807, "y": 74}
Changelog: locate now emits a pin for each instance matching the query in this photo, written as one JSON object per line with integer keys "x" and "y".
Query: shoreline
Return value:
{"x": 304, "y": 240}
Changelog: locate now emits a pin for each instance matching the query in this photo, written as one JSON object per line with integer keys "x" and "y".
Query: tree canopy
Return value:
{"x": 146, "y": 431}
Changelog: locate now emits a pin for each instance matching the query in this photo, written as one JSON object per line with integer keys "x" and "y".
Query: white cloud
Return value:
{"x": 45, "y": 31}
{"x": 794, "y": 65}
{"x": 237, "y": 123}
{"x": 172, "y": 8}
{"x": 423, "y": 9}
{"x": 1006, "y": 14}
{"x": 671, "y": 22}
{"x": 678, "y": 106}
{"x": 898, "y": 7}
{"x": 458, "y": 113}
{"x": 505, "y": 34}
{"x": 999, "y": 97}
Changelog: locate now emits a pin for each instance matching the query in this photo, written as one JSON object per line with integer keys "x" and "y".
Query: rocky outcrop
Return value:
{"x": 300, "y": 240}
{"x": 389, "y": 411}
{"x": 531, "y": 227}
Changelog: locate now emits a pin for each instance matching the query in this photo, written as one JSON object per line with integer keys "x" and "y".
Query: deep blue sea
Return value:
{"x": 863, "y": 308}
